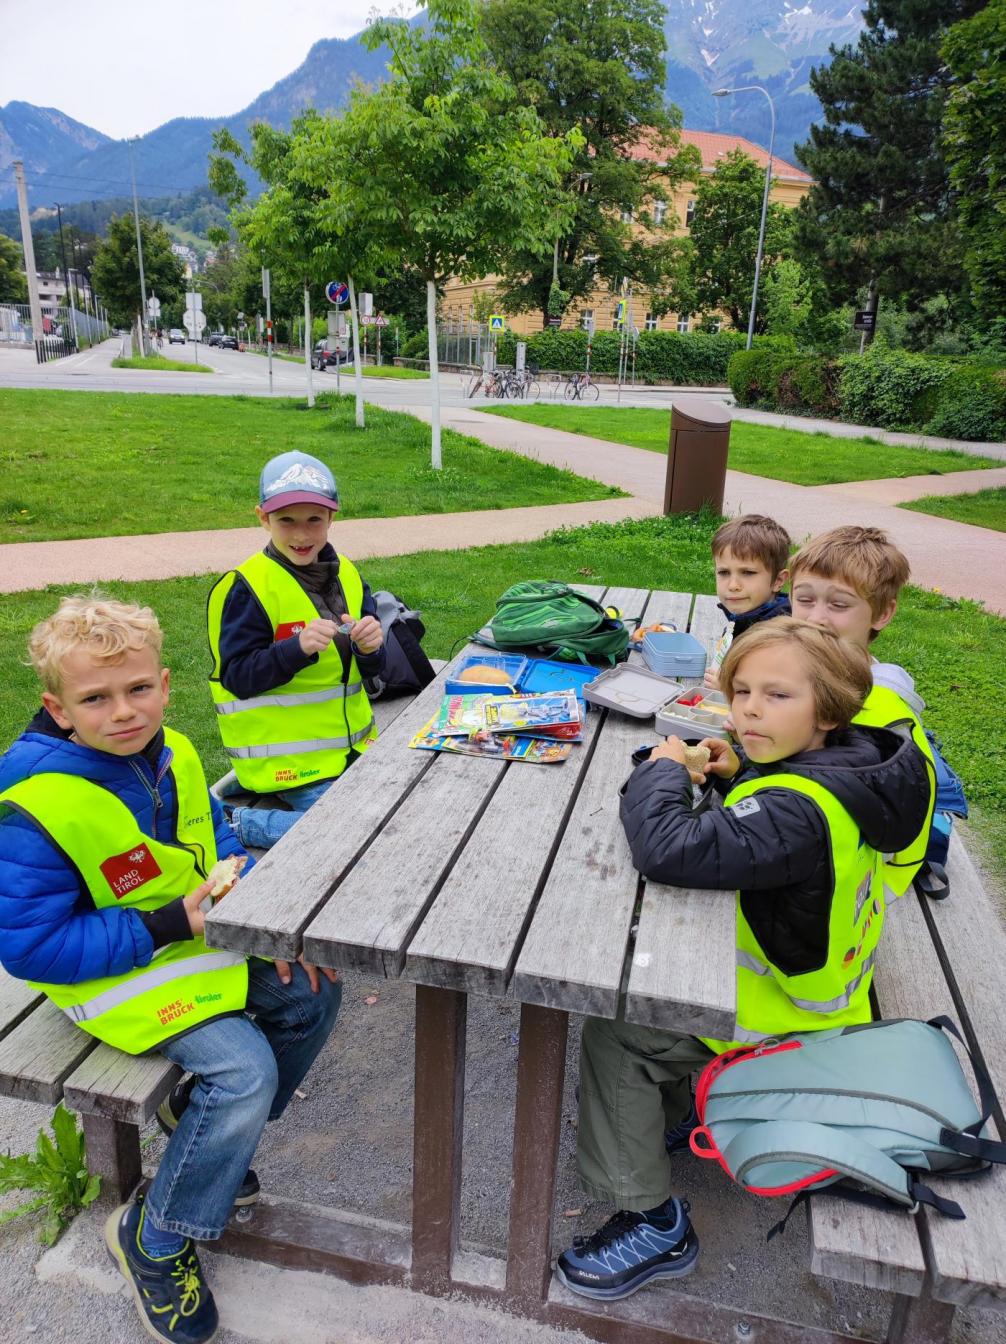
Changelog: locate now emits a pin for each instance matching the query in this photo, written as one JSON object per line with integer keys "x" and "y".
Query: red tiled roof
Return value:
{"x": 713, "y": 146}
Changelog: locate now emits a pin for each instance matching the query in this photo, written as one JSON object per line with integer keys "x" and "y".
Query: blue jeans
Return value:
{"x": 247, "y": 1073}
{"x": 261, "y": 827}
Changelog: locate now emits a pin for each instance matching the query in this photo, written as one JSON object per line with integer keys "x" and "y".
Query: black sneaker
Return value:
{"x": 676, "y": 1138}
{"x": 172, "y": 1298}
{"x": 630, "y": 1250}
{"x": 168, "y": 1115}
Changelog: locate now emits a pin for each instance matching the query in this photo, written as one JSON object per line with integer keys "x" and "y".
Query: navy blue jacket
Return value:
{"x": 777, "y": 605}
{"x": 50, "y": 929}
{"x": 253, "y": 662}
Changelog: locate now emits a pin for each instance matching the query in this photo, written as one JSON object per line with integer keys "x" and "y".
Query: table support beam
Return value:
{"x": 441, "y": 1016}
{"x": 541, "y": 1068}
{"x": 920, "y": 1320}
{"x": 113, "y": 1152}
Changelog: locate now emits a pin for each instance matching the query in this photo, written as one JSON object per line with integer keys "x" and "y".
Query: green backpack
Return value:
{"x": 554, "y": 621}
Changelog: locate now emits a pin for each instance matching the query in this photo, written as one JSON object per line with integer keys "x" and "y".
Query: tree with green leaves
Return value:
{"x": 596, "y": 66}
{"x": 116, "y": 271}
{"x": 880, "y": 211}
{"x": 456, "y": 175}
{"x": 974, "y": 140}
{"x": 13, "y": 281}
{"x": 724, "y": 240}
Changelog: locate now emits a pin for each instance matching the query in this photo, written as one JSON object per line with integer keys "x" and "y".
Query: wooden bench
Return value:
{"x": 45, "y": 1058}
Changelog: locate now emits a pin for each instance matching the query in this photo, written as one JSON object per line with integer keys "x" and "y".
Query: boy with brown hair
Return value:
{"x": 750, "y": 554}
{"x": 848, "y": 580}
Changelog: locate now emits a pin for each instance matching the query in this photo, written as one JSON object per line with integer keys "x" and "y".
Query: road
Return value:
{"x": 246, "y": 374}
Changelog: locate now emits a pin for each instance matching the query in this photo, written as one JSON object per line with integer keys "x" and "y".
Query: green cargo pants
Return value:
{"x": 633, "y": 1086}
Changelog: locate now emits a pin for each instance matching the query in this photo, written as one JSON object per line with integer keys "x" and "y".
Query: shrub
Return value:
{"x": 891, "y": 388}
{"x": 416, "y": 347}
{"x": 971, "y": 404}
{"x": 661, "y": 356}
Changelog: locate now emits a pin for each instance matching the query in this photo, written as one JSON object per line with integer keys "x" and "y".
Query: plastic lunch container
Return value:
{"x": 547, "y": 674}
{"x": 674, "y": 654}
{"x": 630, "y": 689}
{"x": 705, "y": 717}
{"x": 514, "y": 665}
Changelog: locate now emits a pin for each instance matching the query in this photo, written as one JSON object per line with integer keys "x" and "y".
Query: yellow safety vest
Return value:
{"x": 300, "y": 732}
{"x": 883, "y": 709}
{"x": 186, "y": 983}
{"x": 771, "y": 1003}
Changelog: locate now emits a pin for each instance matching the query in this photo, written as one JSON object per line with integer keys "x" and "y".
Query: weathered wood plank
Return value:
{"x": 120, "y": 1086}
{"x": 594, "y": 590}
{"x": 370, "y": 918}
{"x": 470, "y": 938}
{"x": 631, "y": 602}
{"x": 268, "y": 910}
{"x": 17, "y": 999}
{"x": 708, "y": 621}
{"x": 39, "y": 1053}
{"x": 692, "y": 994}
{"x": 673, "y": 608}
{"x": 968, "y": 1260}
{"x": 574, "y": 951}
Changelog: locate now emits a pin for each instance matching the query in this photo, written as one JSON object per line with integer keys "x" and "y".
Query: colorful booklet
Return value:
{"x": 497, "y": 746}
{"x": 552, "y": 714}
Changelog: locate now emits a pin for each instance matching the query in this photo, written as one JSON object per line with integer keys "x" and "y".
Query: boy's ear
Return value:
{"x": 780, "y": 579}
{"x": 54, "y": 705}
{"x": 877, "y": 623}
{"x": 262, "y": 516}
{"x": 165, "y": 683}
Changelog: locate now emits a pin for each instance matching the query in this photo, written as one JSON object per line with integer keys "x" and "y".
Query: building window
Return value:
{"x": 659, "y": 211}
{"x": 715, "y": 326}
{"x": 614, "y": 319}
{"x": 586, "y": 317}
{"x": 689, "y": 214}
{"x": 683, "y": 320}
{"x": 651, "y": 321}
{"x": 627, "y": 216}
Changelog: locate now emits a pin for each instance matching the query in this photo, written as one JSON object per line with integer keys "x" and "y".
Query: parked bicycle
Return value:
{"x": 580, "y": 388}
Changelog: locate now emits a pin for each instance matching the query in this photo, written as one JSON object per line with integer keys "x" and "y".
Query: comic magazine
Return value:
{"x": 551, "y": 714}
{"x": 497, "y": 746}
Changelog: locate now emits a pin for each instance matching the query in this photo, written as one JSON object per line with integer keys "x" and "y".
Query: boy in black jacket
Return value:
{"x": 750, "y": 555}
{"x": 808, "y": 813}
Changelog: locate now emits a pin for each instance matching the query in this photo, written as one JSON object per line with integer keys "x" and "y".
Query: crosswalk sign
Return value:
{"x": 620, "y": 313}
{"x": 496, "y": 322}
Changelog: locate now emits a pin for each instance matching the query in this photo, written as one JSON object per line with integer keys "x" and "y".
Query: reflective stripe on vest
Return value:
{"x": 771, "y": 1003}
{"x": 185, "y": 984}
{"x": 302, "y": 731}
{"x": 884, "y": 708}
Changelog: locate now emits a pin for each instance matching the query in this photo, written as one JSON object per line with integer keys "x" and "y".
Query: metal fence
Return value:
{"x": 462, "y": 341}
{"x": 64, "y": 330}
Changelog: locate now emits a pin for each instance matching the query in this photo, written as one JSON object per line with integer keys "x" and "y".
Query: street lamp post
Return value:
{"x": 757, "y": 88}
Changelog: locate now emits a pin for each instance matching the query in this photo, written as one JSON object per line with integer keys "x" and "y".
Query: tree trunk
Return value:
{"x": 872, "y": 304}
{"x": 357, "y": 361}
{"x": 431, "y": 329}
{"x": 307, "y": 347}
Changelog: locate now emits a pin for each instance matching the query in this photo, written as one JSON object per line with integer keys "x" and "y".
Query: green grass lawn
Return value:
{"x": 95, "y": 464}
{"x": 159, "y": 363}
{"x": 986, "y": 508}
{"x": 369, "y": 371}
{"x": 761, "y": 450}
{"x": 954, "y": 649}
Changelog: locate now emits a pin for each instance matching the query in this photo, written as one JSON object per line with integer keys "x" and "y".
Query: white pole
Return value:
{"x": 355, "y": 323}
{"x": 431, "y": 331}
{"x": 139, "y": 256}
{"x": 28, "y": 246}
{"x": 307, "y": 346}
{"x": 761, "y": 226}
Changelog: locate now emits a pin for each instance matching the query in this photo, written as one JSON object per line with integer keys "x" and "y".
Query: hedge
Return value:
{"x": 661, "y": 356}
{"x": 893, "y": 389}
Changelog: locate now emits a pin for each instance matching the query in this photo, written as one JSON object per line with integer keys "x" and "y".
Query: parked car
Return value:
{"x": 176, "y": 336}
{"x": 228, "y": 343}
{"x": 215, "y": 338}
{"x": 322, "y": 357}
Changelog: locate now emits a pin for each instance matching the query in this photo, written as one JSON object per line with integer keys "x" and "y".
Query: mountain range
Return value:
{"x": 710, "y": 44}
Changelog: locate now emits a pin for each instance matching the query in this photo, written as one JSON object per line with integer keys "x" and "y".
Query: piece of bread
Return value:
{"x": 696, "y": 758}
{"x": 224, "y": 873}
{"x": 483, "y": 674}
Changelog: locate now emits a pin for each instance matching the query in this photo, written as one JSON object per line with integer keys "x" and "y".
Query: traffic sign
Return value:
{"x": 496, "y": 322}
{"x": 373, "y": 320}
{"x": 620, "y": 313}
{"x": 266, "y": 283}
{"x": 555, "y": 321}
{"x": 193, "y": 299}
{"x": 154, "y": 306}
{"x": 337, "y": 292}
{"x": 194, "y": 322}
{"x": 865, "y": 320}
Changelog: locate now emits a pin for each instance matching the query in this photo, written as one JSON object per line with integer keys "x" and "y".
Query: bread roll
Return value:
{"x": 484, "y": 674}
{"x": 225, "y": 873}
{"x": 696, "y": 758}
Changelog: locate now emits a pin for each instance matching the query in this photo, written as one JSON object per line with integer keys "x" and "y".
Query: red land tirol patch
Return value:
{"x": 289, "y": 628}
{"x": 125, "y": 872}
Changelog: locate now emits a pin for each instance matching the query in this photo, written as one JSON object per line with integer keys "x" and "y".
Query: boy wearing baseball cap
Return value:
{"x": 293, "y": 632}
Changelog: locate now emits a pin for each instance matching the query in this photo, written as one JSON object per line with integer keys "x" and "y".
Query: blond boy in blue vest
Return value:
{"x": 107, "y": 836}
{"x": 293, "y": 633}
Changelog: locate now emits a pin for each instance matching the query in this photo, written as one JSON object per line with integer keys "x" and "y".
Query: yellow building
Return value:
{"x": 789, "y": 185}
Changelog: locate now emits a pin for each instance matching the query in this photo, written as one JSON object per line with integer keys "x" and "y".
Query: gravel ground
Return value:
{"x": 348, "y": 1144}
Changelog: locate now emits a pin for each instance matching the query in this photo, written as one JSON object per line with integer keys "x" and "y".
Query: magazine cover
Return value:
{"x": 550, "y": 714}
{"x": 496, "y": 746}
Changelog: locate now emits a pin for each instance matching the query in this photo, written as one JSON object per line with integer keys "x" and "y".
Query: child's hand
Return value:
{"x": 711, "y": 678}
{"x": 366, "y": 633}
{"x": 673, "y": 749}
{"x": 285, "y": 974}
{"x": 317, "y": 635}
{"x": 723, "y": 760}
{"x": 192, "y": 902}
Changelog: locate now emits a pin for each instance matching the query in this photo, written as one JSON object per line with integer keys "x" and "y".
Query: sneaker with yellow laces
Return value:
{"x": 172, "y": 1297}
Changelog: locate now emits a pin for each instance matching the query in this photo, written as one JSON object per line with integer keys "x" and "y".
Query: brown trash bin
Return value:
{"x": 697, "y": 457}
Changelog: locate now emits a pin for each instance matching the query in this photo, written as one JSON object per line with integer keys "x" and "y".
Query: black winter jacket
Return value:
{"x": 777, "y": 855}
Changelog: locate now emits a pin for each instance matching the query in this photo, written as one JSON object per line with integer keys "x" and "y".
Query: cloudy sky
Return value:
{"x": 126, "y": 66}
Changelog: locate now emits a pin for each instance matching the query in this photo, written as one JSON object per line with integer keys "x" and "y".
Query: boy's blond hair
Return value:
{"x": 839, "y": 672}
{"x": 754, "y": 536}
{"x": 107, "y": 629}
{"x": 865, "y": 557}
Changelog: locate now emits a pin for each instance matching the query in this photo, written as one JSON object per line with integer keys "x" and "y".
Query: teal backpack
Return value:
{"x": 865, "y": 1111}
{"x": 554, "y": 621}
